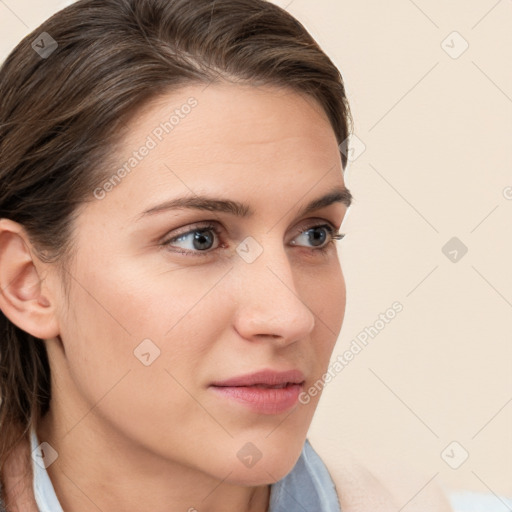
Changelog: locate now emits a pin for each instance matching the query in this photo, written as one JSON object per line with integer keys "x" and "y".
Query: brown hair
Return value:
{"x": 63, "y": 106}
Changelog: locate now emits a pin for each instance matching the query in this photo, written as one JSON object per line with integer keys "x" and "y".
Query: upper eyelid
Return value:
{"x": 208, "y": 224}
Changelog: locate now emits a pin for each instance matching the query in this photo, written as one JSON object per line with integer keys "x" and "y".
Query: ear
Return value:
{"x": 24, "y": 298}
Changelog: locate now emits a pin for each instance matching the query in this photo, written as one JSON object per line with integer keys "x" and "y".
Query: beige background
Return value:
{"x": 436, "y": 128}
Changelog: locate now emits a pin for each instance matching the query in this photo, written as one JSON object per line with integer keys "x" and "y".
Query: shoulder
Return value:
{"x": 361, "y": 488}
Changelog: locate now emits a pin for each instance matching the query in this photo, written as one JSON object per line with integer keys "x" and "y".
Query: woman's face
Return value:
{"x": 165, "y": 303}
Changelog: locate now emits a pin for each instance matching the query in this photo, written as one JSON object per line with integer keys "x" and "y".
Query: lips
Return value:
{"x": 264, "y": 392}
{"x": 266, "y": 386}
{"x": 264, "y": 378}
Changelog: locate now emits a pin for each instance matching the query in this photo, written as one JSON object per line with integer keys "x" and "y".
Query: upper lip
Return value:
{"x": 265, "y": 377}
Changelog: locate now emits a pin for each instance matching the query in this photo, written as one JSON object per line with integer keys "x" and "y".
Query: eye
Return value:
{"x": 319, "y": 236}
{"x": 200, "y": 239}
{"x": 203, "y": 239}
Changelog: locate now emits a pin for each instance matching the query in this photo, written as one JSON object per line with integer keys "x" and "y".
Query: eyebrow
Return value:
{"x": 336, "y": 195}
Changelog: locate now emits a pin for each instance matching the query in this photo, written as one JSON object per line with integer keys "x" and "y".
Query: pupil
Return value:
{"x": 200, "y": 238}
{"x": 320, "y": 238}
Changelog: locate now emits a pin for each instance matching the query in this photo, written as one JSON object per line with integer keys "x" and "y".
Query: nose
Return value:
{"x": 269, "y": 304}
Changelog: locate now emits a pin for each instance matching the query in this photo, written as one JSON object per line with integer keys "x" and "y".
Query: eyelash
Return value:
{"x": 333, "y": 234}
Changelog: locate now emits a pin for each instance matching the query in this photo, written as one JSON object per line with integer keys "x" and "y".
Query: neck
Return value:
{"x": 98, "y": 468}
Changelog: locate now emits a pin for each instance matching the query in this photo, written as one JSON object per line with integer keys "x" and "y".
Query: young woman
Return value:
{"x": 171, "y": 190}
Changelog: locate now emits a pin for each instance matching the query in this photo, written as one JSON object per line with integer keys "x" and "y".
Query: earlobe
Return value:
{"x": 24, "y": 298}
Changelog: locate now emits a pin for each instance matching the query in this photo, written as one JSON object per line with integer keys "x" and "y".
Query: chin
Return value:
{"x": 267, "y": 466}
{"x": 256, "y": 477}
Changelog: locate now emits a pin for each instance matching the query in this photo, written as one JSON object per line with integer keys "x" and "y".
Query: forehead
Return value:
{"x": 231, "y": 117}
{"x": 225, "y": 138}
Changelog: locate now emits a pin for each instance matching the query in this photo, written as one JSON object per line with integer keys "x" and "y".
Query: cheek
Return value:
{"x": 337, "y": 301}
{"x": 126, "y": 316}
{"x": 326, "y": 297}
{"x": 170, "y": 332}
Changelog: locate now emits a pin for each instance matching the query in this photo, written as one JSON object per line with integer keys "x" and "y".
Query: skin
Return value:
{"x": 170, "y": 441}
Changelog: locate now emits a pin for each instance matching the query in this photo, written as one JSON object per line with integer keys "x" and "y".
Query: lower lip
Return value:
{"x": 263, "y": 400}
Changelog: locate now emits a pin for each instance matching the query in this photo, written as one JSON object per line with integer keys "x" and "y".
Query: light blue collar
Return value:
{"x": 307, "y": 487}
